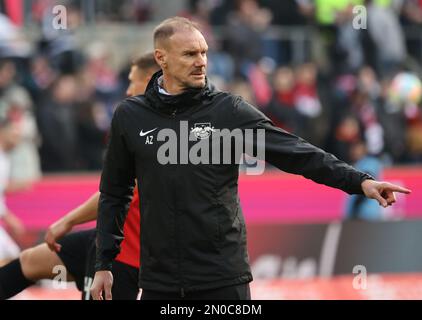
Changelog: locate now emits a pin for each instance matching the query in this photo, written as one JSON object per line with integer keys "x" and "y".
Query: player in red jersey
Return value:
{"x": 76, "y": 251}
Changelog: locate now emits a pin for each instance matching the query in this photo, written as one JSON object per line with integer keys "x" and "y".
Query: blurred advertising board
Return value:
{"x": 304, "y": 251}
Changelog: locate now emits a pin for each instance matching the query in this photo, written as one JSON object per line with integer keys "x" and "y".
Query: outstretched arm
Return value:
{"x": 295, "y": 155}
{"x": 86, "y": 212}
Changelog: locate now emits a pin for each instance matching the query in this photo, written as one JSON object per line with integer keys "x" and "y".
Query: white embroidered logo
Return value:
{"x": 142, "y": 133}
{"x": 202, "y": 130}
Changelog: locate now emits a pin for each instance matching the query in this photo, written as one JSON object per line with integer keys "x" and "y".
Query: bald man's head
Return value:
{"x": 169, "y": 27}
{"x": 181, "y": 52}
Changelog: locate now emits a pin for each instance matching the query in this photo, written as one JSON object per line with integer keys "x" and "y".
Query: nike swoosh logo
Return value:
{"x": 142, "y": 133}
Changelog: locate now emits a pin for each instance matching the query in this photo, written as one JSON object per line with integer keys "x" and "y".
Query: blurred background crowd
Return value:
{"x": 304, "y": 63}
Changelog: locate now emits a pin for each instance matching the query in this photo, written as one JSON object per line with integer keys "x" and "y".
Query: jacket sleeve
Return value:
{"x": 116, "y": 187}
{"x": 293, "y": 154}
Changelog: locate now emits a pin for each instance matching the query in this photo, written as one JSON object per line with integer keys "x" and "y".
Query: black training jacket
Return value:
{"x": 193, "y": 234}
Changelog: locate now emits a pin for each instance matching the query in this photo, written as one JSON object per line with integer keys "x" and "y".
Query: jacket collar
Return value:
{"x": 174, "y": 104}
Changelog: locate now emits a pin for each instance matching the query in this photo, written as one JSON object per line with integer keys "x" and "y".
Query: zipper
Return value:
{"x": 172, "y": 124}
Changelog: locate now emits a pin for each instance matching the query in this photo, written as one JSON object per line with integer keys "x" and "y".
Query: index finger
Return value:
{"x": 397, "y": 188}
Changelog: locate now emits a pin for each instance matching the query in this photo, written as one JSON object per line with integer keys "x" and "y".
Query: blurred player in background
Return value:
{"x": 76, "y": 251}
{"x": 9, "y": 138}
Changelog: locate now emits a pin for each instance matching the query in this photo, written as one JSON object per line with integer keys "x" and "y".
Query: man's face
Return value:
{"x": 138, "y": 81}
{"x": 185, "y": 59}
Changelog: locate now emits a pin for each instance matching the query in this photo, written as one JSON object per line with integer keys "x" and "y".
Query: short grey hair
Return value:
{"x": 169, "y": 27}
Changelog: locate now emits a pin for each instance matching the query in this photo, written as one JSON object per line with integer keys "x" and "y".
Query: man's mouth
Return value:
{"x": 198, "y": 73}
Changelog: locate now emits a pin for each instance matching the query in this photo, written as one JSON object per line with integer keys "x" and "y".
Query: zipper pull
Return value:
{"x": 174, "y": 113}
{"x": 182, "y": 292}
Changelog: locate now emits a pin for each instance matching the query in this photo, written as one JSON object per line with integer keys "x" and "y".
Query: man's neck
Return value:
{"x": 161, "y": 89}
{"x": 169, "y": 86}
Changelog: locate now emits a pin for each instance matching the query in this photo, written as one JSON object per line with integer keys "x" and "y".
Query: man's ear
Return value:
{"x": 160, "y": 58}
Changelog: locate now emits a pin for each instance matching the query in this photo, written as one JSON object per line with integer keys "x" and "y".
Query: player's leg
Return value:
{"x": 40, "y": 263}
{"x": 75, "y": 255}
{"x": 33, "y": 264}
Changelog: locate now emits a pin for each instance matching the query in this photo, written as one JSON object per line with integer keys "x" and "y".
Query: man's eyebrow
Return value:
{"x": 194, "y": 50}
{"x": 190, "y": 51}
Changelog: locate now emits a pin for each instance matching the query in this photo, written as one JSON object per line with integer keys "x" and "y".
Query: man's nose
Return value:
{"x": 201, "y": 61}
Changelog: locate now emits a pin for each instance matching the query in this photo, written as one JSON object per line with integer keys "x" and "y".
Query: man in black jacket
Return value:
{"x": 193, "y": 239}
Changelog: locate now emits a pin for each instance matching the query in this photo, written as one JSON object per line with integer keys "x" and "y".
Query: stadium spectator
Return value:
{"x": 56, "y": 117}
{"x": 281, "y": 108}
{"x": 9, "y": 137}
{"x": 60, "y": 44}
{"x": 341, "y": 43}
{"x": 15, "y": 102}
{"x": 382, "y": 21}
{"x": 393, "y": 118}
{"x": 91, "y": 134}
{"x": 308, "y": 103}
{"x": 105, "y": 78}
{"x": 366, "y": 106}
{"x": 243, "y": 39}
{"x": 411, "y": 15}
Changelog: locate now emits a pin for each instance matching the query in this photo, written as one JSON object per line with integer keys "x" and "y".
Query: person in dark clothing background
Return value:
{"x": 193, "y": 238}
{"x": 56, "y": 117}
